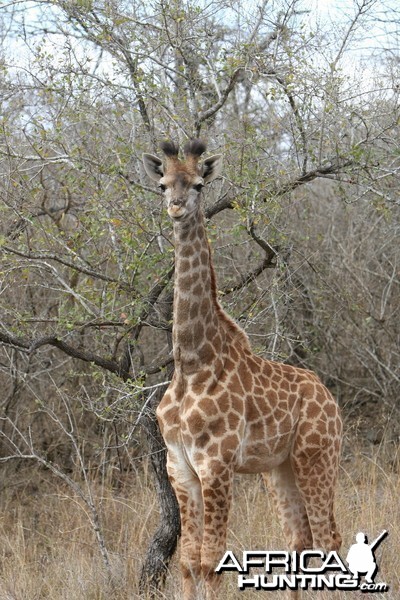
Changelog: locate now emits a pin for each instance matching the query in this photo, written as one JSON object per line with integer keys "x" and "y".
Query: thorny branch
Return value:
{"x": 31, "y": 454}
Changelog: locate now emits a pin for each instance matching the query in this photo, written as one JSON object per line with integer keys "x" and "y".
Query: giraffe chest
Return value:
{"x": 250, "y": 432}
{"x": 168, "y": 413}
{"x": 204, "y": 426}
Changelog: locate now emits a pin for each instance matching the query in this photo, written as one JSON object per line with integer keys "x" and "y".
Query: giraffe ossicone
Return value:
{"x": 230, "y": 411}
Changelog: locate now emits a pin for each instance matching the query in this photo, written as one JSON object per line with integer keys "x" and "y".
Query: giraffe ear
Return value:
{"x": 153, "y": 166}
{"x": 212, "y": 167}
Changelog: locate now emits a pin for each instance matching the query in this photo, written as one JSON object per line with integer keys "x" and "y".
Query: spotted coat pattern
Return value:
{"x": 229, "y": 411}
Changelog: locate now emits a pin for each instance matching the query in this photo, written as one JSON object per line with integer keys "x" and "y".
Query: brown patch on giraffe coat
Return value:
{"x": 252, "y": 363}
{"x": 194, "y": 310}
{"x": 209, "y": 493}
{"x": 212, "y": 387}
{"x": 285, "y": 385}
{"x": 253, "y": 410}
{"x": 210, "y": 331}
{"x": 183, "y": 265}
{"x": 208, "y": 406}
{"x": 234, "y": 354}
{"x": 313, "y": 409}
{"x": 198, "y": 389}
{"x": 279, "y": 414}
{"x": 330, "y": 409}
{"x": 185, "y": 283}
{"x": 229, "y": 446}
{"x": 246, "y": 378}
{"x": 236, "y": 384}
{"x": 289, "y": 373}
{"x": 213, "y": 449}
{"x": 187, "y": 251}
{"x": 308, "y": 390}
{"x": 313, "y": 439}
{"x": 286, "y": 425}
{"x": 197, "y": 291}
{"x": 198, "y": 332}
{"x": 201, "y": 377}
{"x": 170, "y": 416}
{"x": 233, "y": 420}
{"x": 203, "y": 439}
{"x": 259, "y": 391}
{"x": 182, "y": 306}
{"x": 334, "y": 427}
{"x": 205, "y": 307}
{"x": 199, "y": 456}
{"x": 195, "y": 422}
{"x": 193, "y": 235}
{"x": 219, "y": 370}
{"x": 197, "y": 245}
{"x": 206, "y": 353}
{"x": 304, "y": 428}
{"x": 257, "y": 430}
{"x": 217, "y": 427}
{"x": 223, "y": 402}
{"x": 273, "y": 397}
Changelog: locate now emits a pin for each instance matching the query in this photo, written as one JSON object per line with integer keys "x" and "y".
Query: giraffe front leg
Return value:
{"x": 216, "y": 485}
{"x": 188, "y": 493}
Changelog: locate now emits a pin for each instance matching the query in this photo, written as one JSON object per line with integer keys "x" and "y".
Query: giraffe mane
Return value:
{"x": 233, "y": 328}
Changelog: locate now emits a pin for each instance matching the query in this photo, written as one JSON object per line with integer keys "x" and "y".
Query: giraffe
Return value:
{"x": 229, "y": 411}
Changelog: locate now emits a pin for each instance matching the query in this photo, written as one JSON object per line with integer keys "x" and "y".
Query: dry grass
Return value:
{"x": 48, "y": 550}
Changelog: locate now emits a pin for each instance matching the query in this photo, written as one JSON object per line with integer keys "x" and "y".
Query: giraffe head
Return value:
{"x": 181, "y": 181}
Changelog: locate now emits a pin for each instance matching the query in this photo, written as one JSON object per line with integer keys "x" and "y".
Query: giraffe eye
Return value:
{"x": 198, "y": 187}
{"x": 162, "y": 187}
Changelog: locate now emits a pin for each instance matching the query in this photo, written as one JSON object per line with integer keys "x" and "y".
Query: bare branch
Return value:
{"x": 332, "y": 168}
{"x": 43, "y": 256}
{"x": 210, "y": 112}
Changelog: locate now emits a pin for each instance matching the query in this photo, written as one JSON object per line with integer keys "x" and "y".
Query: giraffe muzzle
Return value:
{"x": 176, "y": 210}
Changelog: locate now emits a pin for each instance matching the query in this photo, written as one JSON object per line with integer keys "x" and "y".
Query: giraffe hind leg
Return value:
{"x": 316, "y": 473}
{"x": 291, "y": 511}
{"x": 290, "y": 506}
{"x": 315, "y": 459}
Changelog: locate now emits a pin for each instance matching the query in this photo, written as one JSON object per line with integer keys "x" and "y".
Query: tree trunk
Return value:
{"x": 164, "y": 541}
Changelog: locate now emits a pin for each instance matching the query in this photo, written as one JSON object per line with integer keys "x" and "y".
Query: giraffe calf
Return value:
{"x": 229, "y": 411}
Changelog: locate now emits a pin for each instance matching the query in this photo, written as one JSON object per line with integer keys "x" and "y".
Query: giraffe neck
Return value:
{"x": 197, "y": 335}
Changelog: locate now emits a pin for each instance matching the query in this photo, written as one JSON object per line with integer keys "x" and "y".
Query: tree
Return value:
{"x": 86, "y": 251}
